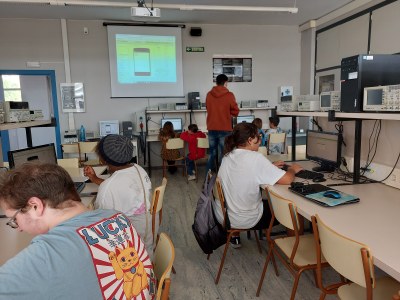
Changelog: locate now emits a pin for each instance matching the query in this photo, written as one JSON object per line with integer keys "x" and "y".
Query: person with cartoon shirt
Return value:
{"x": 76, "y": 253}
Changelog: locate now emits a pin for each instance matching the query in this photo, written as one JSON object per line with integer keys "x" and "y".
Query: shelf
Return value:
{"x": 8, "y": 126}
{"x": 200, "y": 110}
{"x": 361, "y": 115}
{"x": 257, "y": 108}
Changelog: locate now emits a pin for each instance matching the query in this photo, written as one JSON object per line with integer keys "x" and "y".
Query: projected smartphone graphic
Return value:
{"x": 141, "y": 58}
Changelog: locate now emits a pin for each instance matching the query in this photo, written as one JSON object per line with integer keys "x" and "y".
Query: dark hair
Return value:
{"x": 193, "y": 128}
{"x": 48, "y": 182}
{"x": 168, "y": 129}
{"x": 274, "y": 120}
{"x": 257, "y": 122}
{"x": 221, "y": 79}
{"x": 239, "y": 136}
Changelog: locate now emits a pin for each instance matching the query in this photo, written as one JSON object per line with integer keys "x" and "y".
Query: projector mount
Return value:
{"x": 142, "y": 3}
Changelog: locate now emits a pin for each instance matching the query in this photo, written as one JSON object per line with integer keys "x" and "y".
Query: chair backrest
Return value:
{"x": 68, "y": 163}
{"x": 299, "y": 149}
{"x": 70, "y": 148}
{"x": 284, "y": 210}
{"x": 156, "y": 206}
{"x": 175, "y": 143}
{"x": 164, "y": 256}
{"x": 203, "y": 143}
{"x": 351, "y": 259}
{"x": 87, "y": 147}
{"x": 277, "y": 138}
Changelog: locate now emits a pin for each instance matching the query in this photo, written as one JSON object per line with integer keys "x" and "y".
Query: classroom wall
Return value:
{"x": 275, "y": 51}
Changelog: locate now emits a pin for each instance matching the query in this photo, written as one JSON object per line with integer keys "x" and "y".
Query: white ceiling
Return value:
{"x": 307, "y": 10}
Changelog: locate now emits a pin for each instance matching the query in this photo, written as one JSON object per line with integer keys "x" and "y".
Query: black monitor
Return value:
{"x": 242, "y": 119}
{"x": 325, "y": 148}
{"x": 176, "y": 122}
{"x": 44, "y": 153}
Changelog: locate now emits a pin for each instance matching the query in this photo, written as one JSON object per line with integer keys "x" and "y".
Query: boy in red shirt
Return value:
{"x": 190, "y": 137}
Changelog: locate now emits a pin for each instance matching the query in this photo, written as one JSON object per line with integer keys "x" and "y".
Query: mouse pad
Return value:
{"x": 326, "y": 201}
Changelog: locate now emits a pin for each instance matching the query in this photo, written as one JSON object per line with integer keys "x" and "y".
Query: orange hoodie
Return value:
{"x": 221, "y": 106}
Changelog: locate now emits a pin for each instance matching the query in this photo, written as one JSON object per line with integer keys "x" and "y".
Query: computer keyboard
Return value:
{"x": 306, "y": 174}
{"x": 79, "y": 186}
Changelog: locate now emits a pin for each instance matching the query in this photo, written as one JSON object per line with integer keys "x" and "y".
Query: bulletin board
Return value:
{"x": 238, "y": 69}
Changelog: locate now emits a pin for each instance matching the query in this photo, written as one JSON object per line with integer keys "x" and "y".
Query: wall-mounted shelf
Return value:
{"x": 8, "y": 126}
{"x": 343, "y": 115}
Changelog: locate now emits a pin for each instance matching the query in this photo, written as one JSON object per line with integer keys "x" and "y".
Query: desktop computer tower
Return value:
{"x": 127, "y": 129}
{"x": 194, "y": 100}
{"x": 360, "y": 71}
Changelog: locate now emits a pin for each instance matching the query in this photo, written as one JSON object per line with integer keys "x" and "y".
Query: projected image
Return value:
{"x": 146, "y": 58}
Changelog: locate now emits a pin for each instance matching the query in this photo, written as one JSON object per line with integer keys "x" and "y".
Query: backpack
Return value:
{"x": 208, "y": 232}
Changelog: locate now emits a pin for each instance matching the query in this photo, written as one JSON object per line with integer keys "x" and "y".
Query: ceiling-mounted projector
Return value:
{"x": 144, "y": 12}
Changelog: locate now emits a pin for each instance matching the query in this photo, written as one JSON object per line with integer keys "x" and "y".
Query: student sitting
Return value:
{"x": 258, "y": 123}
{"x": 273, "y": 128}
{"x": 166, "y": 133}
{"x": 243, "y": 172}
{"x": 190, "y": 137}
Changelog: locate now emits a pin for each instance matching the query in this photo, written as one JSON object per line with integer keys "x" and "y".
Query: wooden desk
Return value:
{"x": 77, "y": 173}
{"x": 285, "y": 157}
{"x": 373, "y": 221}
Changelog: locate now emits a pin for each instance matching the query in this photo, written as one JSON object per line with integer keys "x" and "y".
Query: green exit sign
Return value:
{"x": 194, "y": 49}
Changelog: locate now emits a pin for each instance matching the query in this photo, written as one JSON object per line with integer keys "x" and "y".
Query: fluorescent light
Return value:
{"x": 292, "y": 10}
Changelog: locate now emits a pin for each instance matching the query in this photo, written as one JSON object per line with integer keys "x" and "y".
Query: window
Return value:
{"x": 11, "y": 87}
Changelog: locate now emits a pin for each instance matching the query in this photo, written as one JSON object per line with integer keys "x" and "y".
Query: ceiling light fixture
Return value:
{"x": 292, "y": 10}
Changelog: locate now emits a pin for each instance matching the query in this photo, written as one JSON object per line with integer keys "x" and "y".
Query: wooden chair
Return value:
{"x": 353, "y": 261}
{"x": 164, "y": 256}
{"x": 396, "y": 296}
{"x": 68, "y": 163}
{"x": 263, "y": 150}
{"x": 276, "y": 138}
{"x": 219, "y": 196}
{"x": 201, "y": 143}
{"x": 296, "y": 252}
{"x": 71, "y": 150}
{"x": 156, "y": 208}
{"x": 86, "y": 149}
{"x": 178, "y": 144}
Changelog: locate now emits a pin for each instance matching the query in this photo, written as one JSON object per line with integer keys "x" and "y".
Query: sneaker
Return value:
{"x": 192, "y": 177}
{"x": 235, "y": 242}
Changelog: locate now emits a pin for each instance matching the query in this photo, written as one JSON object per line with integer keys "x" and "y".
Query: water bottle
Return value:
{"x": 82, "y": 134}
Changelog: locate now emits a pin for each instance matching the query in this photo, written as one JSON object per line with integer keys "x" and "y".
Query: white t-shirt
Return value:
{"x": 242, "y": 173}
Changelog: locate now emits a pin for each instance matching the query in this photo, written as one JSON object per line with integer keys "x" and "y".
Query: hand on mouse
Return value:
{"x": 295, "y": 167}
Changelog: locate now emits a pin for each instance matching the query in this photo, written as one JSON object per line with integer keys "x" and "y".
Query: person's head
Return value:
{"x": 273, "y": 122}
{"x": 27, "y": 191}
{"x": 221, "y": 79}
{"x": 115, "y": 150}
{"x": 168, "y": 128}
{"x": 193, "y": 128}
{"x": 244, "y": 135}
{"x": 257, "y": 122}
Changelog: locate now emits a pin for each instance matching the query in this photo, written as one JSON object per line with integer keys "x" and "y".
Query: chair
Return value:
{"x": 70, "y": 149}
{"x": 179, "y": 144}
{"x": 86, "y": 148}
{"x": 201, "y": 143}
{"x": 156, "y": 207}
{"x": 263, "y": 150}
{"x": 396, "y": 296}
{"x": 276, "y": 140}
{"x": 219, "y": 195}
{"x": 352, "y": 260}
{"x": 164, "y": 256}
{"x": 296, "y": 252}
{"x": 68, "y": 163}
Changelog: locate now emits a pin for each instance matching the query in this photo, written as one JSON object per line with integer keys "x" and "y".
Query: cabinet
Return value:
{"x": 341, "y": 116}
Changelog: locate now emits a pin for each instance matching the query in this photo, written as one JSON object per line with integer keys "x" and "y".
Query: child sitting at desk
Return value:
{"x": 190, "y": 137}
{"x": 273, "y": 128}
{"x": 258, "y": 123}
{"x": 166, "y": 133}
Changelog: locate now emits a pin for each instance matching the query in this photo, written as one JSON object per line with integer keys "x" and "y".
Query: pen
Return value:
{"x": 339, "y": 184}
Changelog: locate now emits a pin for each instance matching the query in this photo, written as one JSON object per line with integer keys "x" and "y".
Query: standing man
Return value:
{"x": 221, "y": 107}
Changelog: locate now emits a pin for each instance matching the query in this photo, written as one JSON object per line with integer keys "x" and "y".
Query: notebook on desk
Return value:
{"x": 315, "y": 192}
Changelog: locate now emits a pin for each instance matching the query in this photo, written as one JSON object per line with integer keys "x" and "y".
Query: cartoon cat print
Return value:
{"x": 127, "y": 266}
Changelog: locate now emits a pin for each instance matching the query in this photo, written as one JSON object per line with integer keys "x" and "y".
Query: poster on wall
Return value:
{"x": 72, "y": 97}
{"x": 326, "y": 83}
{"x": 238, "y": 68}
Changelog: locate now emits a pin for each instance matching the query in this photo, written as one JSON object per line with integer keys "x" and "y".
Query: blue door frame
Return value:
{"x": 5, "y": 142}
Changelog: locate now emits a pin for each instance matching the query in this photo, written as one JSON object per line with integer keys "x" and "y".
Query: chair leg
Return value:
{"x": 163, "y": 169}
{"x": 263, "y": 272}
{"x": 274, "y": 263}
{"x": 221, "y": 265}
{"x": 295, "y": 284}
{"x": 173, "y": 270}
{"x": 208, "y": 256}
{"x": 322, "y": 296}
{"x": 315, "y": 278}
{"x": 258, "y": 241}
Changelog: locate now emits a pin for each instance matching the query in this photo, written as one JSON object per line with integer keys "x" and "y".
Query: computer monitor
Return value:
{"x": 244, "y": 119}
{"x": 108, "y": 127}
{"x": 325, "y": 148}
{"x": 176, "y": 122}
{"x": 44, "y": 153}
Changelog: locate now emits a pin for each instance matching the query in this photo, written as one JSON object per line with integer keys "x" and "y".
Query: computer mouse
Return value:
{"x": 319, "y": 179}
{"x": 332, "y": 194}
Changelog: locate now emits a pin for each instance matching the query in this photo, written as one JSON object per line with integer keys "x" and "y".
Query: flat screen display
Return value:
{"x": 244, "y": 119}
{"x": 325, "y": 100}
{"x": 44, "y": 153}
{"x": 176, "y": 122}
{"x": 374, "y": 96}
{"x": 108, "y": 127}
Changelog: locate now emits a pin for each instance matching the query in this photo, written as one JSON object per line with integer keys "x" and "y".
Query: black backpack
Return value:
{"x": 208, "y": 232}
